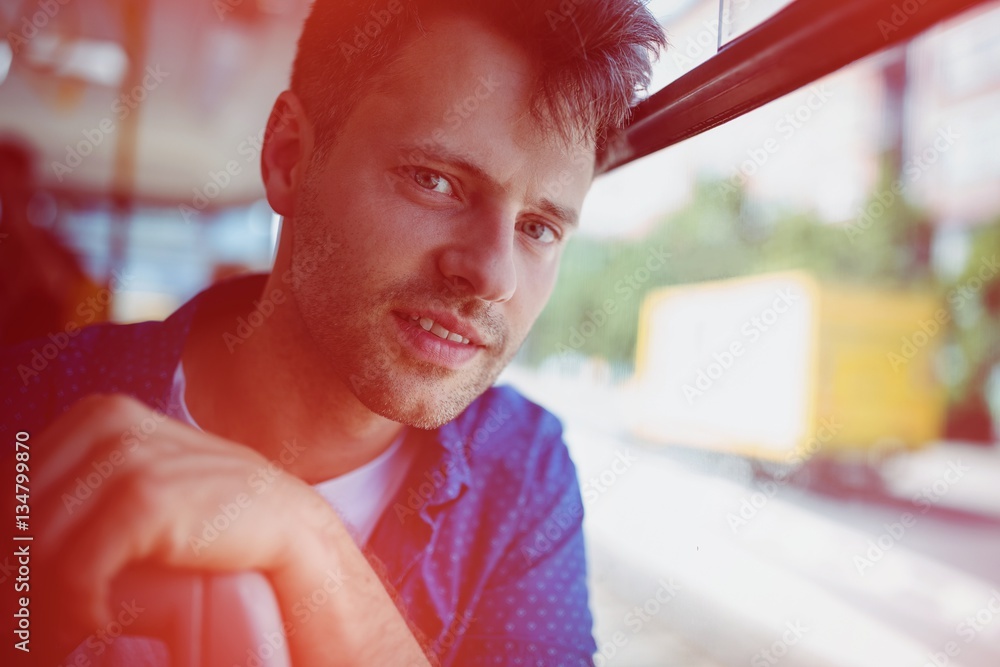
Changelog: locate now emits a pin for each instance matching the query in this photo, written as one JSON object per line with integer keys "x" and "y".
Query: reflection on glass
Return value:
{"x": 739, "y": 16}
{"x": 825, "y": 492}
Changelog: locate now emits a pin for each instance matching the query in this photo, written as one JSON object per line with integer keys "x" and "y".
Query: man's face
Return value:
{"x": 443, "y": 203}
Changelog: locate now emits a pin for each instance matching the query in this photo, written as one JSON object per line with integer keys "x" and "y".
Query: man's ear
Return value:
{"x": 288, "y": 146}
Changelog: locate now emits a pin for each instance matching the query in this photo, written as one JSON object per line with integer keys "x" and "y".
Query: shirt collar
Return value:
{"x": 453, "y": 439}
{"x": 178, "y": 326}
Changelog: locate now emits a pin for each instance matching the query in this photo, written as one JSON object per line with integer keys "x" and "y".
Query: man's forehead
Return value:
{"x": 462, "y": 94}
{"x": 475, "y": 62}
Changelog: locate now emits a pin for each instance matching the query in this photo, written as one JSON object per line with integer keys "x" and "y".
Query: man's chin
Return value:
{"x": 421, "y": 403}
{"x": 423, "y": 414}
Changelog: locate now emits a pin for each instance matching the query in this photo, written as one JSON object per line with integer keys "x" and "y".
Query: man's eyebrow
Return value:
{"x": 566, "y": 216}
{"x": 447, "y": 156}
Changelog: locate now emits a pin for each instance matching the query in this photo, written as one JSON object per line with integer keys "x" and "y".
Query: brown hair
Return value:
{"x": 595, "y": 54}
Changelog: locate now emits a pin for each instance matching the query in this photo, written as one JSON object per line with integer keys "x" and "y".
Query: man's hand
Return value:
{"x": 111, "y": 499}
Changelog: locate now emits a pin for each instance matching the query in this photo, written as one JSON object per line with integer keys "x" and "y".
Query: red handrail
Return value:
{"x": 803, "y": 42}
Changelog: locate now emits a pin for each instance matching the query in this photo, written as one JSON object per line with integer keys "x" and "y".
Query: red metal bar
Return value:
{"x": 800, "y": 44}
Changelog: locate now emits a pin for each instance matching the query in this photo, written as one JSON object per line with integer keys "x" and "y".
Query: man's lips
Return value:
{"x": 432, "y": 347}
{"x": 445, "y": 326}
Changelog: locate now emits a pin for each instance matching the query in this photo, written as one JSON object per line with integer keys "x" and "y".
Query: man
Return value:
{"x": 429, "y": 177}
{"x": 41, "y": 281}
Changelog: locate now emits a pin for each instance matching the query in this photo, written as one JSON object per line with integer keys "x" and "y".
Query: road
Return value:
{"x": 697, "y": 562}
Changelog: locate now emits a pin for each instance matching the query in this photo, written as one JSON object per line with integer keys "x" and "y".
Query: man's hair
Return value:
{"x": 594, "y": 56}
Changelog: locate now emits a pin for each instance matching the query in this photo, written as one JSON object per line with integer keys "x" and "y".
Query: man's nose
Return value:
{"x": 479, "y": 261}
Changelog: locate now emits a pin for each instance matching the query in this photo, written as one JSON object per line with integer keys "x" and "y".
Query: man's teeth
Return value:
{"x": 427, "y": 324}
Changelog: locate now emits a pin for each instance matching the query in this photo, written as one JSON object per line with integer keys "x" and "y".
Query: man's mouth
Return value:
{"x": 445, "y": 325}
{"x": 429, "y": 325}
{"x": 432, "y": 336}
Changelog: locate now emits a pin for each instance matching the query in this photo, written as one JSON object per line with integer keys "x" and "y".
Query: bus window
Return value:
{"x": 775, "y": 348}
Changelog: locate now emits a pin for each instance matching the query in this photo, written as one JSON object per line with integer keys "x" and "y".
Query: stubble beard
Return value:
{"x": 348, "y": 328}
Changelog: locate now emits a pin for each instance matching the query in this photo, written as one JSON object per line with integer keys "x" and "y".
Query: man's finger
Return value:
{"x": 93, "y": 554}
{"x": 71, "y": 438}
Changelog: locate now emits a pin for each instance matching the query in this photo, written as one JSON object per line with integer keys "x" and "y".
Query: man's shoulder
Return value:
{"x": 505, "y": 429}
{"x": 40, "y": 361}
{"x": 137, "y": 359}
{"x": 504, "y": 409}
{"x": 44, "y": 376}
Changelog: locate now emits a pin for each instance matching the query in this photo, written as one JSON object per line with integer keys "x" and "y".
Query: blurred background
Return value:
{"x": 775, "y": 347}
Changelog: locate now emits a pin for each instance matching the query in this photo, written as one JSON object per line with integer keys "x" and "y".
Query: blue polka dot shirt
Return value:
{"x": 483, "y": 542}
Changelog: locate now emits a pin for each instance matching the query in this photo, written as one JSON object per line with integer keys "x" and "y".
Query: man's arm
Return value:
{"x": 154, "y": 505}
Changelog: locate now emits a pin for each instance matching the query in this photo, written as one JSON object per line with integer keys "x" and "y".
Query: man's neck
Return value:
{"x": 271, "y": 392}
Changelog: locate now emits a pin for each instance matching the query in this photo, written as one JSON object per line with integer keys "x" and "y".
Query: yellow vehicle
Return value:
{"x": 801, "y": 182}
{"x": 781, "y": 367}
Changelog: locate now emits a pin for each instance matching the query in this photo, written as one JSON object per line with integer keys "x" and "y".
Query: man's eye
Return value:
{"x": 433, "y": 181}
{"x": 540, "y": 231}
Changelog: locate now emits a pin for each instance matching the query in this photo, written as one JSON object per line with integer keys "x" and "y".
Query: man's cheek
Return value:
{"x": 544, "y": 284}
{"x": 520, "y": 322}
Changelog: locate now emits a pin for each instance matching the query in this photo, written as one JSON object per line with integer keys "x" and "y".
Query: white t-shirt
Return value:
{"x": 359, "y": 496}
